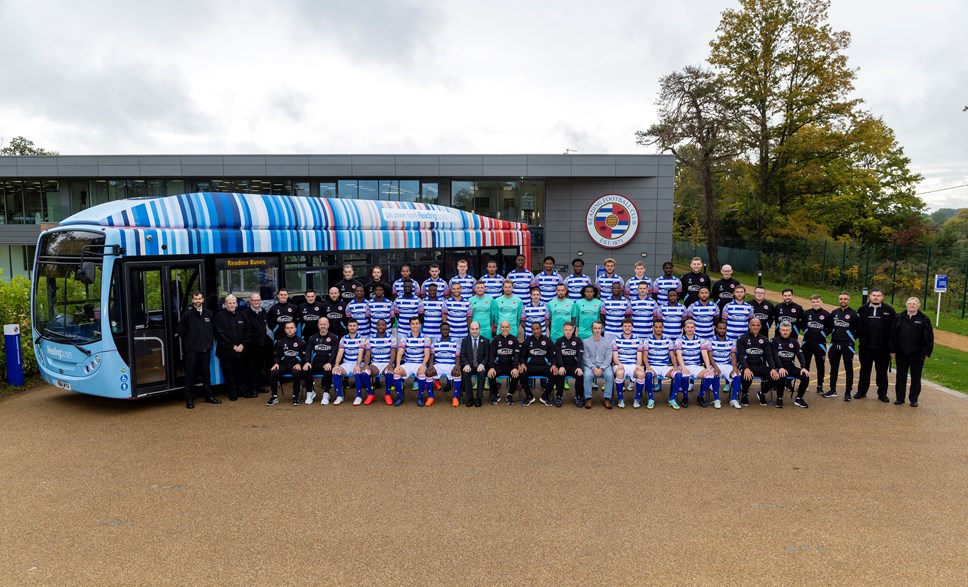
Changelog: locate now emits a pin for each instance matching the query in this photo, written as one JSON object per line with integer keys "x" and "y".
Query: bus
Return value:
{"x": 111, "y": 282}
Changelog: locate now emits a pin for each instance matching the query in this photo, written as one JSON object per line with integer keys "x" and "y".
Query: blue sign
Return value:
{"x": 940, "y": 284}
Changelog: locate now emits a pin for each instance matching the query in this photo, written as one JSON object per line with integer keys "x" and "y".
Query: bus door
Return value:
{"x": 158, "y": 294}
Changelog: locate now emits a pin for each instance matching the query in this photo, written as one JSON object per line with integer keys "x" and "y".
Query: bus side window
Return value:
{"x": 114, "y": 307}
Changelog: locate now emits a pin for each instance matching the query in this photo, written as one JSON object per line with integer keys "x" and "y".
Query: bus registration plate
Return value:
{"x": 63, "y": 384}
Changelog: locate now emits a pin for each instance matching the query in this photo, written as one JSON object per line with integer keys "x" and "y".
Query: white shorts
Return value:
{"x": 692, "y": 370}
{"x": 380, "y": 367}
{"x": 661, "y": 370}
{"x": 444, "y": 370}
{"x": 629, "y": 370}
{"x": 348, "y": 366}
{"x": 410, "y": 369}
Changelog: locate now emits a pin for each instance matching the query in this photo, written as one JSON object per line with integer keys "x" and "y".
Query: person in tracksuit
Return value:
{"x": 505, "y": 352}
{"x": 754, "y": 357}
{"x": 569, "y": 359}
{"x": 281, "y": 314}
{"x": 787, "y": 354}
{"x": 912, "y": 340}
{"x": 876, "y": 322}
{"x": 321, "y": 353}
{"x": 290, "y": 354}
{"x": 846, "y": 329}
{"x": 232, "y": 336}
{"x": 816, "y": 328}
{"x": 537, "y": 359}
{"x": 195, "y": 331}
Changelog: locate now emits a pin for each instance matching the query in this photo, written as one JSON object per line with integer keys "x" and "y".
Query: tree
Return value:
{"x": 784, "y": 70}
{"x": 942, "y": 215}
{"x": 23, "y": 146}
{"x": 696, "y": 126}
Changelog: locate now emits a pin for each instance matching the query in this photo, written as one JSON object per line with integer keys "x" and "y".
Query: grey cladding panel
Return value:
{"x": 207, "y": 160}
{"x": 203, "y": 171}
{"x": 374, "y": 160}
{"x": 417, "y": 170}
{"x": 159, "y": 160}
{"x": 38, "y": 171}
{"x": 281, "y": 170}
{"x": 244, "y": 170}
{"x": 161, "y": 170}
{"x": 461, "y": 160}
{"x": 460, "y": 171}
{"x": 235, "y": 160}
{"x": 287, "y": 160}
{"x": 330, "y": 160}
{"x": 373, "y": 170}
{"x": 505, "y": 160}
{"x": 504, "y": 170}
{"x": 321, "y": 171}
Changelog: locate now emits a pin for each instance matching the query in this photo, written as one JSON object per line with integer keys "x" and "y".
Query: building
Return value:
{"x": 593, "y": 206}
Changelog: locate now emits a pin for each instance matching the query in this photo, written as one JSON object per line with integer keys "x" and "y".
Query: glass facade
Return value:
{"x": 515, "y": 200}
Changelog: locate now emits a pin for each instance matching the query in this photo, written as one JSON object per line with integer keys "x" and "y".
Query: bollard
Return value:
{"x": 15, "y": 361}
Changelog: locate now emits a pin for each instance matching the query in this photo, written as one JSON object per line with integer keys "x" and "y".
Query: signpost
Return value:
{"x": 940, "y": 287}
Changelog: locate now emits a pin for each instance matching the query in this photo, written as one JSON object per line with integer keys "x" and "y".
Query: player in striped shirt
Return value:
{"x": 381, "y": 308}
{"x": 604, "y": 282}
{"x": 643, "y": 309}
{"x": 380, "y": 350}
{"x": 446, "y": 353}
{"x": 464, "y": 279}
{"x": 666, "y": 282}
{"x": 721, "y": 356}
{"x": 632, "y": 285}
{"x": 737, "y": 314}
{"x": 523, "y": 281}
{"x": 658, "y": 361}
{"x": 406, "y": 306}
{"x": 413, "y": 354}
{"x": 458, "y": 311}
{"x": 434, "y": 313}
{"x": 704, "y": 313}
{"x": 577, "y": 281}
{"x": 404, "y": 278}
{"x": 434, "y": 278}
{"x": 349, "y": 358}
{"x": 691, "y": 360}
{"x": 548, "y": 280}
{"x": 627, "y": 364}
{"x": 535, "y": 311}
{"x": 671, "y": 314}
{"x": 359, "y": 308}
{"x": 492, "y": 281}
{"x": 615, "y": 308}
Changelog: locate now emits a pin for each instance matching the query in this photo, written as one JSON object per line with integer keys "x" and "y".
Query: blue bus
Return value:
{"x": 111, "y": 282}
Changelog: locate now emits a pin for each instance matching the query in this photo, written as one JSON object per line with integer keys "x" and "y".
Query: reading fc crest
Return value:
{"x": 612, "y": 221}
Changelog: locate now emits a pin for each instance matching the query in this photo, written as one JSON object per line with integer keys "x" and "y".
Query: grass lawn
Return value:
{"x": 947, "y": 367}
{"x": 950, "y": 321}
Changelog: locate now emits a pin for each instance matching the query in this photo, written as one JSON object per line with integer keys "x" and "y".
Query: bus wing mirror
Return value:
{"x": 86, "y": 273}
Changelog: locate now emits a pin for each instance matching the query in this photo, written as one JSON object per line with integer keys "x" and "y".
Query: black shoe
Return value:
{"x": 559, "y": 401}
{"x": 701, "y": 401}
{"x": 494, "y": 400}
{"x": 899, "y": 402}
{"x": 847, "y": 397}
{"x": 779, "y": 402}
{"x": 295, "y": 401}
{"x": 470, "y": 402}
{"x": 477, "y": 403}
{"x": 762, "y": 397}
{"x": 883, "y": 398}
{"x": 745, "y": 400}
{"x": 831, "y": 393}
{"x": 685, "y": 402}
{"x": 528, "y": 399}
{"x": 546, "y": 399}
{"x": 233, "y": 398}
{"x": 860, "y": 395}
{"x": 212, "y": 400}
{"x": 273, "y": 400}
{"x": 914, "y": 404}
{"x": 510, "y": 399}
{"x": 190, "y": 404}
{"x": 819, "y": 390}
{"x": 249, "y": 395}
{"x": 800, "y": 403}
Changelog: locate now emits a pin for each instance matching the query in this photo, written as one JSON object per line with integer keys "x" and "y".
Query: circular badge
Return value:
{"x": 612, "y": 221}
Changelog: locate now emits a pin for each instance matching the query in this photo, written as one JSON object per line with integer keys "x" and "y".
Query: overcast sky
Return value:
{"x": 401, "y": 76}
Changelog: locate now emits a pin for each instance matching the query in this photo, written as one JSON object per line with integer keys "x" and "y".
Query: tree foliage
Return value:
{"x": 793, "y": 154}
{"x": 23, "y": 146}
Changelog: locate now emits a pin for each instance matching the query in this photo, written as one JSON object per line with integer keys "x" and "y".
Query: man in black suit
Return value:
{"x": 474, "y": 353}
{"x": 876, "y": 323}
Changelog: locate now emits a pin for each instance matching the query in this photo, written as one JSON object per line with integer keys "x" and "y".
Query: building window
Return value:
{"x": 173, "y": 187}
{"x": 300, "y": 188}
{"x": 429, "y": 192}
{"x": 369, "y": 189}
{"x": 348, "y": 188}
{"x": 327, "y": 189}
{"x": 517, "y": 201}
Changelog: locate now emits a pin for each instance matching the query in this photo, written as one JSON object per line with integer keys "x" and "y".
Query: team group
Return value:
{"x": 543, "y": 329}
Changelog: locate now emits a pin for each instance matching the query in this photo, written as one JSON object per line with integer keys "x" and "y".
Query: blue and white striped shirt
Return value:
{"x": 547, "y": 284}
{"x": 381, "y": 348}
{"x": 360, "y": 311}
{"x": 722, "y": 352}
{"x": 457, "y": 313}
{"x": 691, "y": 350}
{"x": 406, "y": 308}
{"x": 703, "y": 315}
{"x": 627, "y": 349}
{"x": 466, "y": 284}
{"x": 492, "y": 285}
{"x": 575, "y": 284}
{"x": 531, "y": 314}
{"x": 632, "y": 286}
{"x": 381, "y": 311}
{"x": 663, "y": 284}
{"x": 657, "y": 351}
{"x": 605, "y": 282}
{"x": 433, "y": 313}
{"x": 398, "y": 287}
{"x": 441, "y": 287}
{"x": 671, "y": 317}
{"x": 351, "y": 346}
{"x": 445, "y": 352}
{"x": 614, "y": 310}
{"x": 737, "y": 316}
{"x": 643, "y": 315}
{"x": 413, "y": 348}
{"x": 523, "y": 281}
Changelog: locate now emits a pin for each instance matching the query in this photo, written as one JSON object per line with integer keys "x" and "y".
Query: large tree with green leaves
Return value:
{"x": 23, "y": 146}
{"x": 695, "y": 124}
{"x": 784, "y": 70}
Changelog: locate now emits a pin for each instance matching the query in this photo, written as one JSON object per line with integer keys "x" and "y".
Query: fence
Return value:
{"x": 901, "y": 271}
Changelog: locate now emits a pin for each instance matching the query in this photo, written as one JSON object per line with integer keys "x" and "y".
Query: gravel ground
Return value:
{"x": 107, "y": 492}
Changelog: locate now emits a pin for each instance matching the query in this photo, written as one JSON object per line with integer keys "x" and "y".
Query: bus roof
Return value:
{"x": 215, "y": 222}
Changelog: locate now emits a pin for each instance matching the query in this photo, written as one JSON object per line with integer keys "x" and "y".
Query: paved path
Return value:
{"x": 942, "y": 337}
{"x": 99, "y": 491}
